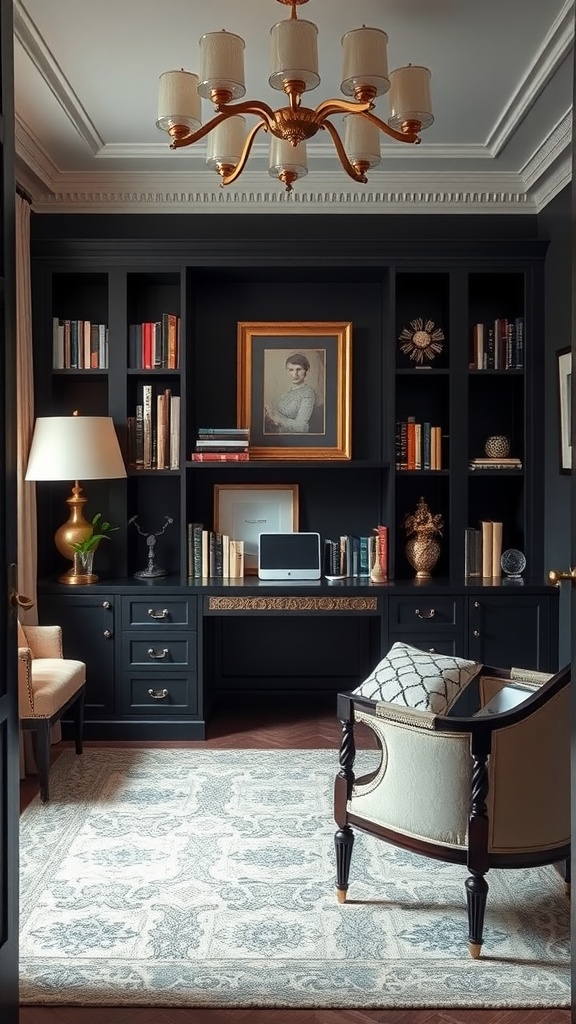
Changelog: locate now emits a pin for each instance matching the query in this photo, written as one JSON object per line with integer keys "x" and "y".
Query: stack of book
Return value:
{"x": 212, "y": 555}
{"x": 486, "y": 463}
{"x": 498, "y": 345}
{"x": 418, "y": 445}
{"x": 483, "y": 550}
{"x": 154, "y": 430}
{"x": 155, "y": 345}
{"x": 351, "y": 556}
{"x": 222, "y": 444}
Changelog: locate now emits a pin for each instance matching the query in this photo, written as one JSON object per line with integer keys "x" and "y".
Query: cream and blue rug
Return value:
{"x": 206, "y": 878}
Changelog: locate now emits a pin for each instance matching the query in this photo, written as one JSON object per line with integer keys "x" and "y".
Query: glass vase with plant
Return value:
{"x": 84, "y": 549}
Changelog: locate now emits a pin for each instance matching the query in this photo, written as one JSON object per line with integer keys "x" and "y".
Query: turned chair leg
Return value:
{"x": 343, "y": 843}
{"x": 476, "y": 895}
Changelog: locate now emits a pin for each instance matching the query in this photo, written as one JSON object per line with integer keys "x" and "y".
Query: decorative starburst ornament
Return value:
{"x": 421, "y": 340}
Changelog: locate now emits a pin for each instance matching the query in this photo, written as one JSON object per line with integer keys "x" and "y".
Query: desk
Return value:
{"x": 161, "y": 656}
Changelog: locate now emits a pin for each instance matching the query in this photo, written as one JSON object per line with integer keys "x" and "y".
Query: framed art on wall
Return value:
{"x": 565, "y": 386}
{"x": 294, "y": 389}
{"x": 244, "y": 511}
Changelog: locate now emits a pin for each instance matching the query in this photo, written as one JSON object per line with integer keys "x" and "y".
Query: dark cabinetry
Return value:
{"x": 88, "y": 632}
{"x": 395, "y": 290}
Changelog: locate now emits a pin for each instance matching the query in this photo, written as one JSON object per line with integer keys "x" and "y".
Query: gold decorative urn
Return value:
{"x": 422, "y": 547}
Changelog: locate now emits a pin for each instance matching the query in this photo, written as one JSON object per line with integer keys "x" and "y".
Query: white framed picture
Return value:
{"x": 244, "y": 511}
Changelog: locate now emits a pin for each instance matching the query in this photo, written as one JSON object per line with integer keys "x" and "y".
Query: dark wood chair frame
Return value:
{"x": 475, "y": 855}
{"x": 41, "y": 729}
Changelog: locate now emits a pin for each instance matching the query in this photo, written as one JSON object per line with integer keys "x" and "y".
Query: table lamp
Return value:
{"x": 70, "y": 448}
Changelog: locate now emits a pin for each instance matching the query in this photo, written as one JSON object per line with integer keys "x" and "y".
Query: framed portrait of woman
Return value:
{"x": 294, "y": 389}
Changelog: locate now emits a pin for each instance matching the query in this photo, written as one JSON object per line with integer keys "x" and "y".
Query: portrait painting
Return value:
{"x": 294, "y": 389}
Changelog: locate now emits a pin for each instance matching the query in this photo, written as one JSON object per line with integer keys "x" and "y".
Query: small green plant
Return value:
{"x": 100, "y": 531}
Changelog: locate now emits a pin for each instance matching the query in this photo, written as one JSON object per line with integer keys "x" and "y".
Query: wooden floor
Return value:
{"x": 270, "y": 731}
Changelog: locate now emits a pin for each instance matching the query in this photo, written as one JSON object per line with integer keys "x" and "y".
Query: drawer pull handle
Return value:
{"x": 158, "y": 655}
{"x": 107, "y": 633}
{"x": 158, "y": 615}
{"x": 106, "y": 605}
{"x": 429, "y": 614}
{"x": 476, "y": 632}
{"x": 158, "y": 694}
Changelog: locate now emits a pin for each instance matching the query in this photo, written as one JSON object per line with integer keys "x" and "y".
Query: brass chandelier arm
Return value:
{"x": 224, "y": 112}
{"x": 227, "y": 179}
{"x": 407, "y": 136}
{"x": 329, "y": 107}
{"x": 348, "y": 167}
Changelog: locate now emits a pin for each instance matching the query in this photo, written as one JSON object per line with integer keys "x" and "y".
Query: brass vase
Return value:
{"x": 422, "y": 552}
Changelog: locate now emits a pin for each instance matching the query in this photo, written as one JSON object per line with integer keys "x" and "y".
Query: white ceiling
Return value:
{"x": 86, "y": 82}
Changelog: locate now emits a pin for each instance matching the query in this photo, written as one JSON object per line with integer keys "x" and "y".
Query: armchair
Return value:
{"x": 48, "y": 685}
{"x": 484, "y": 786}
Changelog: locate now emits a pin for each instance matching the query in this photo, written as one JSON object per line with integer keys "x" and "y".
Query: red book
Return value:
{"x": 219, "y": 456}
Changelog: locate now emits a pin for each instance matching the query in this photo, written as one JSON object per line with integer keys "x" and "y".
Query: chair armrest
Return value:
{"x": 45, "y": 641}
{"x": 25, "y": 689}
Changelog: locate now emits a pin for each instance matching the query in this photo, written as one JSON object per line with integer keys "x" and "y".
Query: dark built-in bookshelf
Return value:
{"x": 447, "y": 287}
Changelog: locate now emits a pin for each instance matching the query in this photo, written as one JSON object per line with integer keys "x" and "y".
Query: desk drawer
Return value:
{"x": 157, "y": 611}
{"x": 159, "y": 652}
{"x": 446, "y": 644}
{"x": 167, "y": 694}
{"x": 426, "y": 613}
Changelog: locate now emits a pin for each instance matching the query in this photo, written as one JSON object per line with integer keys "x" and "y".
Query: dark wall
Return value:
{"x": 554, "y": 224}
{"x": 351, "y": 231}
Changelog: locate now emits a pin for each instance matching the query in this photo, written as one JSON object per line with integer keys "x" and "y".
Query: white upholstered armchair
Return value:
{"x": 48, "y": 685}
{"x": 489, "y": 787}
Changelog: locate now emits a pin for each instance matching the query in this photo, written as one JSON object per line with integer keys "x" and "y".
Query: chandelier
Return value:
{"x": 294, "y": 70}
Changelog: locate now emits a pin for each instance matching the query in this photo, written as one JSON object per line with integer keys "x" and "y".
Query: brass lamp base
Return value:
{"x": 76, "y": 578}
{"x": 75, "y": 530}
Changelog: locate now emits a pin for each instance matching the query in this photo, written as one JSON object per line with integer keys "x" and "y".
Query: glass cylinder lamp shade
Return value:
{"x": 179, "y": 104}
{"x": 287, "y": 159}
{"x": 222, "y": 65}
{"x": 226, "y": 143}
{"x": 294, "y": 54}
{"x": 361, "y": 141}
{"x": 410, "y": 99}
{"x": 365, "y": 62}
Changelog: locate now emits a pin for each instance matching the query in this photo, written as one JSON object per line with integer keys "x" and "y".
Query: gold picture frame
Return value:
{"x": 243, "y": 511}
{"x": 295, "y": 408}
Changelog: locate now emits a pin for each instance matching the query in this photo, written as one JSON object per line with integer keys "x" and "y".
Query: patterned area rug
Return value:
{"x": 206, "y": 878}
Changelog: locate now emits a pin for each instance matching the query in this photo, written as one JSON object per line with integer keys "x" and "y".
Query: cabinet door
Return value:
{"x": 88, "y": 635}
{"x": 512, "y": 631}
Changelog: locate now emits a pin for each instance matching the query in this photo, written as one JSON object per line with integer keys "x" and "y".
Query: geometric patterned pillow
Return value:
{"x": 418, "y": 679}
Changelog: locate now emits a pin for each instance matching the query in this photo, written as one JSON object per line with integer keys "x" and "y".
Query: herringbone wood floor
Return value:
{"x": 268, "y": 730}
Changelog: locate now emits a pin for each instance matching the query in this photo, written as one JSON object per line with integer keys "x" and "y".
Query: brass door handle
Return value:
{"x": 555, "y": 576}
{"x": 20, "y": 600}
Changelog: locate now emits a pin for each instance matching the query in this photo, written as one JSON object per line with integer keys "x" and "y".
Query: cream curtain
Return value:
{"x": 26, "y": 492}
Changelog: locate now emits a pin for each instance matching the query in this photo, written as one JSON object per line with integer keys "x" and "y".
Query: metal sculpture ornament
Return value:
{"x": 421, "y": 340}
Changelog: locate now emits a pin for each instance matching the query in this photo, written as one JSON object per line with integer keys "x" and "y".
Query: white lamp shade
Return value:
{"x": 365, "y": 61}
{"x": 222, "y": 64}
{"x": 294, "y": 53}
{"x": 226, "y": 142}
{"x": 286, "y": 157}
{"x": 178, "y": 101}
{"x": 361, "y": 140}
{"x": 75, "y": 448}
{"x": 410, "y": 98}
